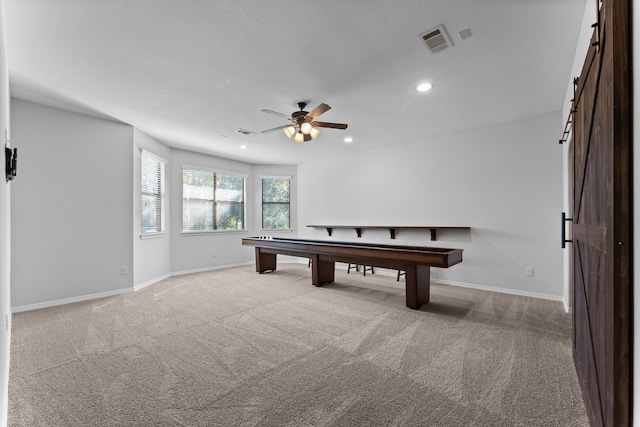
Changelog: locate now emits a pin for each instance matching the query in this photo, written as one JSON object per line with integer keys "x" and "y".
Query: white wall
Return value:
{"x": 151, "y": 256}
{"x": 5, "y": 233}
{"x": 79, "y": 246}
{"x": 504, "y": 181}
{"x": 72, "y": 206}
{"x": 197, "y": 252}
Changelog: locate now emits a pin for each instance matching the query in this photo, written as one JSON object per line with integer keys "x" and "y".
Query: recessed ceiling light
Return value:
{"x": 244, "y": 147}
{"x": 348, "y": 139}
{"x": 423, "y": 87}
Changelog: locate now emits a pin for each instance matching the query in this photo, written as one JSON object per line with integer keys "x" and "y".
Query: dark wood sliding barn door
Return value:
{"x": 602, "y": 215}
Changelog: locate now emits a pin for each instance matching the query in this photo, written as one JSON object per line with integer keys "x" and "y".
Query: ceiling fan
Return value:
{"x": 303, "y": 124}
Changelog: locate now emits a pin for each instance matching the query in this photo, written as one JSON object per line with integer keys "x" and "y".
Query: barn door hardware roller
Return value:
{"x": 563, "y": 227}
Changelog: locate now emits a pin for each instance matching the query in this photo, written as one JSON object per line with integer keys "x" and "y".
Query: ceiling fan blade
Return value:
{"x": 330, "y": 125}
{"x": 275, "y": 129}
{"x": 275, "y": 113}
{"x": 320, "y": 109}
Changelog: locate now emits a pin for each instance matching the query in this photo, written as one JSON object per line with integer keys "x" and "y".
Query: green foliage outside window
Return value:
{"x": 276, "y": 206}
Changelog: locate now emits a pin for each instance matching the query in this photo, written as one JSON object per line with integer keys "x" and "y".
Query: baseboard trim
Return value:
{"x": 217, "y": 267}
{"x": 499, "y": 290}
{"x": 392, "y": 273}
{"x": 4, "y": 403}
{"x": 383, "y": 272}
{"x": 139, "y": 287}
{"x": 183, "y": 272}
{"x": 64, "y": 301}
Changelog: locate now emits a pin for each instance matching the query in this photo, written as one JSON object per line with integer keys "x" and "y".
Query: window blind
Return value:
{"x": 152, "y": 171}
{"x": 212, "y": 200}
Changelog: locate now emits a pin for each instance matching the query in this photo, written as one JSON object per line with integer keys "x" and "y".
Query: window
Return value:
{"x": 152, "y": 193}
{"x": 212, "y": 200}
{"x": 276, "y": 206}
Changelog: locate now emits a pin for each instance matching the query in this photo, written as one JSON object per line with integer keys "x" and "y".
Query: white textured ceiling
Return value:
{"x": 191, "y": 72}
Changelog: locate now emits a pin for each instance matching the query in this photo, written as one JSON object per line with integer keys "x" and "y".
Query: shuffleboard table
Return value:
{"x": 416, "y": 261}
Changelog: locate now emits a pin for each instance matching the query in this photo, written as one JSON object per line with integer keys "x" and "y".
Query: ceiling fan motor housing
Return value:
{"x": 297, "y": 114}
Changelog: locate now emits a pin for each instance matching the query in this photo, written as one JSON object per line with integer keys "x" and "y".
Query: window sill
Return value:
{"x": 277, "y": 230}
{"x": 153, "y": 235}
{"x": 210, "y": 232}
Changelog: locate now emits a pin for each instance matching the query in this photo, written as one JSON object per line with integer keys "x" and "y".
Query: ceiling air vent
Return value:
{"x": 245, "y": 132}
{"x": 435, "y": 40}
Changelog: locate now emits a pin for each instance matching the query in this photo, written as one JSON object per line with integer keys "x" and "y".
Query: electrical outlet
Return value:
{"x": 124, "y": 270}
{"x": 528, "y": 271}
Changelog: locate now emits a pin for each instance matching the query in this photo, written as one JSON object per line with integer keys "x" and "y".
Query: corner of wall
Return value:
{"x": 5, "y": 235}
{"x": 151, "y": 257}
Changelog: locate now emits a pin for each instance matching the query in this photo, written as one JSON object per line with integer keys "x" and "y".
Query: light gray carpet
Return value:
{"x": 235, "y": 348}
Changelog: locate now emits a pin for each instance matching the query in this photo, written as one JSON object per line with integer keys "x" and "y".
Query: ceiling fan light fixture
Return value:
{"x": 289, "y": 131}
{"x": 306, "y": 128}
{"x": 302, "y": 126}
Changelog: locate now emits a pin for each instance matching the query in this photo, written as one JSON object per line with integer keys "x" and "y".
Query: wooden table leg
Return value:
{"x": 322, "y": 271}
{"x": 265, "y": 261}
{"x": 418, "y": 283}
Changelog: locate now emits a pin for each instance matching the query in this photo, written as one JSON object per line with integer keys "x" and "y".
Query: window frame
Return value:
{"x": 262, "y": 202}
{"x": 215, "y": 172}
{"x": 161, "y": 196}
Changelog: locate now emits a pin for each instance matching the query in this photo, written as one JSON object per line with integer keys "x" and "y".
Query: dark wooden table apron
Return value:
{"x": 416, "y": 261}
